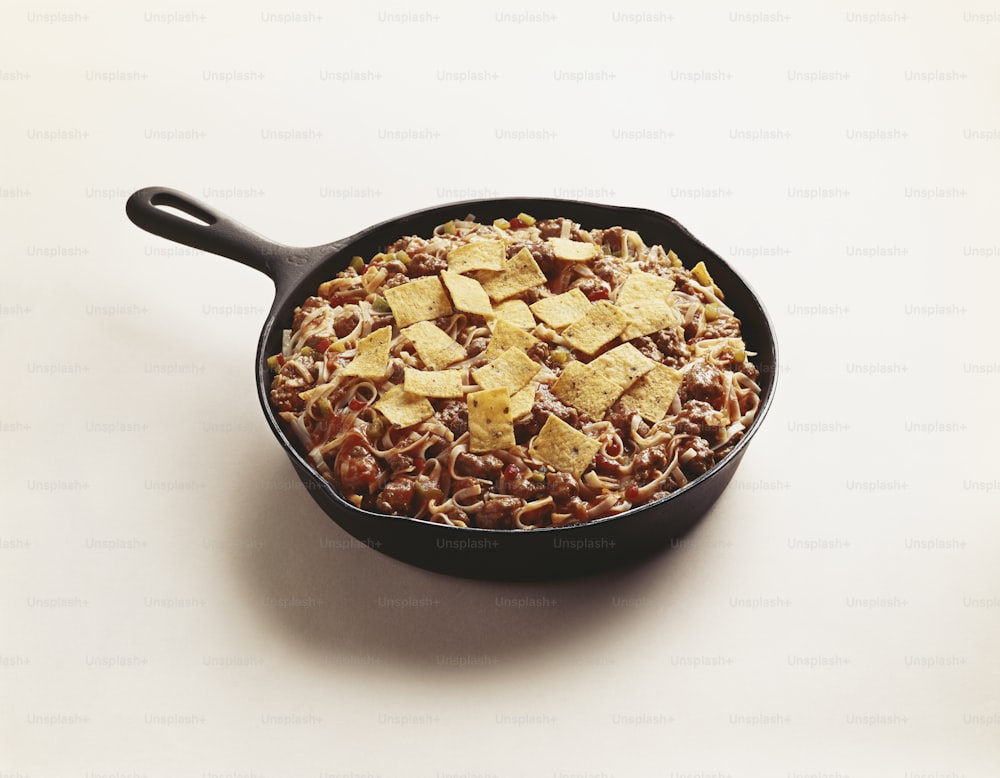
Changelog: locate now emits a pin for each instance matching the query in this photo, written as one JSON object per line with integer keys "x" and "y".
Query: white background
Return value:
{"x": 174, "y": 604}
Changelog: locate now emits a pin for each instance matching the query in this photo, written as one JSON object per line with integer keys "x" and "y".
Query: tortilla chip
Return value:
{"x": 372, "y": 359}
{"x": 622, "y": 365}
{"x": 652, "y": 394}
{"x": 436, "y": 348}
{"x": 651, "y": 316}
{"x": 642, "y": 287}
{"x": 586, "y": 389}
{"x": 403, "y": 408}
{"x": 419, "y": 300}
{"x": 600, "y": 325}
{"x": 561, "y": 310}
{"x": 467, "y": 294}
{"x": 563, "y": 448}
{"x": 515, "y": 312}
{"x": 433, "y": 383}
{"x": 512, "y": 370}
{"x": 523, "y": 400}
{"x": 478, "y": 255}
{"x": 520, "y": 274}
{"x": 505, "y": 336}
{"x": 490, "y": 424}
{"x": 572, "y": 250}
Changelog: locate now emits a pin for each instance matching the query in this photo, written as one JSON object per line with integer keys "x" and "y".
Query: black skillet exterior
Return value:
{"x": 492, "y": 554}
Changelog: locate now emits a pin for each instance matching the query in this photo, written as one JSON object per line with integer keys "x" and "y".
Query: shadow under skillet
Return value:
{"x": 315, "y": 584}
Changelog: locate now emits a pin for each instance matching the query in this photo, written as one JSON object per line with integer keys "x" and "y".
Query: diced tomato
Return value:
{"x": 516, "y": 224}
{"x": 418, "y": 464}
{"x": 601, "y": 293}
{"x": 357, "y": 404}
{"x": 323, "y": 345}
{"x": 632, "y": 493}
{"x": 511, "y": 471}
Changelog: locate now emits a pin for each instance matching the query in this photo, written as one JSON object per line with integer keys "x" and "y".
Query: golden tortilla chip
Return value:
{"x": 478, "y": 255}
{"x": 600, "y": 325}
{"x": 433, "y": 383}
{"x": 490, "y": 424}
{"x": 561, "y": 310}
{"x": 372, "y": 359}
{"x": 436, "y": 348}
{"x": 520, "y": 274}
{"x": 622, "y": 365}
{"x": 642, "y": 287}
{"x": 512, "y": 370}
{"x": 586, "y": 389}
{"x": 467, "y": 294}
{"x": 515, "y": 312}
{"x": 572, "y": 250}
{"x": 563, "y": 448}
{"x": 403, "y": 408}
{"x": 523, "y": 400}
{"x": 651, "y": 316}
{"x": 652, "y": 394}
{"x": 419, "y": 300}
{"x": 505, "y": 336}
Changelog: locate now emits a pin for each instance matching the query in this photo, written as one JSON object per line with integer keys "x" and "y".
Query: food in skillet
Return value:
{"x": 516, "y": 375}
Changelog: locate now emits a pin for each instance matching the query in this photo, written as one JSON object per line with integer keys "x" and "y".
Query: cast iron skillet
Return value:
{"x": 477, "y": 553}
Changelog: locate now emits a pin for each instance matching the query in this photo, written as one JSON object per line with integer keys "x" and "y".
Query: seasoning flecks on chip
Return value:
{"x": 515, "y": 312}
{"x": 512, "y": 370}
{"x": 403, "y": 408}
{"x": 652, "y": 394}
{"x": 478, "y": 255}
{"x": 491, "y": 426}
{"x": 505, "y": 336}
{"x": 622, "y": 365}
{"x": 561, "y": 310}
{"x": 436, "y": 348}
{"x": 419, "y": 300}
{"x": 433, "y": 383}
{"x": 520, "y": 274}
{"x": 586, "y": 389}
{"x": 563, "y": 448}
{"x": 372, "y": 358}
{"x": 572, "y": 250}
{"x": 600, "y": 325}
{"x": 652, "y": 316}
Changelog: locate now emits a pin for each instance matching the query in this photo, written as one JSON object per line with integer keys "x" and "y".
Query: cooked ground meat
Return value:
{"x": 703, "y": 381}
{"x": 546, "y": 403}
{"x": 289, "y": 381}
{"x": 550, "y": 228}
{"x": 648, "y": 463}
{"x": 593, "y": 286}
{"x": 613, "y": 238}
{"x": 698, "y": 418}
{"x": 672, "y": 346}
{"x": 498, "y": 512}
{"x": 525, "y": 488}
{"x": 424, "y": 264}
{"x": 397, "y": 496}
{"x": 647, "y": 347}
{"x": 477, "y": 346}
{"x": 610, "y": 269}
{"x": 478, "y": 466}
{"x": 311, "y": 304}
{"x": 561, "y": 486}
{"x": 346, "y": 322}
{"x": 539, "y": 351}
{"x": 704, "y": 457}
{"x": 722, "y": 327}
{"x": 358, "y": 470}
{"x": 540, "y": 251}
{"x": 454, "y": 414}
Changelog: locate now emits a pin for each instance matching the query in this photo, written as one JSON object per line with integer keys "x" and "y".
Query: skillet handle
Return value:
{"x": 215, "y": 232}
